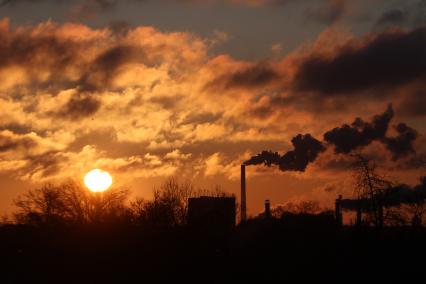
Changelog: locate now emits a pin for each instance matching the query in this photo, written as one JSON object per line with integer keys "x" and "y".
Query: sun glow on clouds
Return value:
{"x": 147, "y": 103}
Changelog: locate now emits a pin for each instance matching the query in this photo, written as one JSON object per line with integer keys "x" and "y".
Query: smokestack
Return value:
{"x": 267, "y": 209}
{"x": 338, "y": 209}
{"x": 243, "y": 194}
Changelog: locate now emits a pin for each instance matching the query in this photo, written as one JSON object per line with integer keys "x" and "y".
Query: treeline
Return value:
{"x": 70, "y": 203}
{"x": 377, "y": 201}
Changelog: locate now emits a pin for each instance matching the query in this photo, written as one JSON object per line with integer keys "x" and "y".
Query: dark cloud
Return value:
{"x": 360, "y": 133}
{"x": 56, "y": 55}
{"x": 256, "y": 75}
{"x": 392, "y": 17}
{"x": 46, "y": 164}
{"x": 104, "y": 68}
{"x": 407, "y": 13}
{"x": 252, "y": 76}
{"x": 16, "y": 128}
{"x": 200, "y": 118}
{"x": 389, "y": 59}
{"x": 416, "y": 161}
{"x": 166, "y": 102}
{"x": 80, "y": 106}
{"x": 306, "y": 150}
{"x": 402, "y": 144}
{"x": 33, "y": 51}
{"x": 9, "y": 141}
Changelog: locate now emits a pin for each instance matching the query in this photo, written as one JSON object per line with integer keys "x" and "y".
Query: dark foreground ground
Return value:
{"x": 256, "y": 252}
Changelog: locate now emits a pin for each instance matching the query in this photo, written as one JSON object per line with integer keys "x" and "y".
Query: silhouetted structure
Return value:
{"x": 213, "y": 214}
{"x": 266, "y": 214}
{"x": 243, "y": 194}
{"x": 268, "y": 209}
{"x": 338, "y": 211}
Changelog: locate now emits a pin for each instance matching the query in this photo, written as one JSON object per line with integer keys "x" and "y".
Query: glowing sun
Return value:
{"x": 97, "y": 180}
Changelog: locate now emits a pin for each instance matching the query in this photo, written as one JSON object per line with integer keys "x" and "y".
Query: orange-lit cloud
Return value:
{"x": 144, "y": 103}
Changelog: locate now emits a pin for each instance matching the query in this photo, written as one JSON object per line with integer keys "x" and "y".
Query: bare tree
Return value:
{"x": 415, "y": 212}
{"x": 168, "y": 208}
{"x": 41, "y": 205}
{"x": 69, "y": 202}
{"x": 301, "y": 207}
{"x": 370, "y": 187}
{"x": 308, "y": 207}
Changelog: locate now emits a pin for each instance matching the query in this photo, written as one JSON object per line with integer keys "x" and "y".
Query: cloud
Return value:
{"x": 392, "y": 17}
{"x": 105, "y": 66}
{"x": 385, "y": 60}
{"x": 251, "y": 76}
{"x": 75, "y": 56}
{"x": 413, "y": 103}
{"x": 177, "y": 155}
{"x": 80, "y": 106}
{"x": 410, "y": 13}
{"x": 218, "y": 164}
{"x": 10, "y": 141}
{"x": 31, "y": 144}
{"x": 145, "y": 103}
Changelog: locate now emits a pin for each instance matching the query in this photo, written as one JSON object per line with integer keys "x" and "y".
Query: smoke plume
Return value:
{"x": 306, "y": 150}
{"x": 393, "y": 196}
{"x": 345, "y": 139}
{"x": 360, "y": 133}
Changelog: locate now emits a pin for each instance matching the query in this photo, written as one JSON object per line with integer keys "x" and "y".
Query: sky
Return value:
{"x": 192, "y": 89}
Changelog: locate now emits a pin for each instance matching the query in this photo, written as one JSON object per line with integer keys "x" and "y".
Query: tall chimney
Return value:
{"x": 243, "y": 194}
{"x": 268, "y": 209}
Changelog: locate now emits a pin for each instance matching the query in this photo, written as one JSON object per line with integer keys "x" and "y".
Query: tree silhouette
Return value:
{"x": 43, "y": 205}
{"x": 301, "y": 207}
{"x": 370, "y": 188}
{"x": 168, "y": 208}
{"x": 69, "y": 202}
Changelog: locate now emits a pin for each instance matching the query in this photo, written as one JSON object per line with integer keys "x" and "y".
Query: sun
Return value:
{"x": 97, "y": 180}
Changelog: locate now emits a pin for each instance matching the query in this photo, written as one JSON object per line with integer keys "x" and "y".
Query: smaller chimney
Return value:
{"x": 338, "y": 211}
{"x": 243, "y": 194}
{"x": 268, "y": 209}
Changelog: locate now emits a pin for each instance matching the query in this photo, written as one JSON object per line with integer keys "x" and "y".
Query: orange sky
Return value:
{"x": 146, "y": 102}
